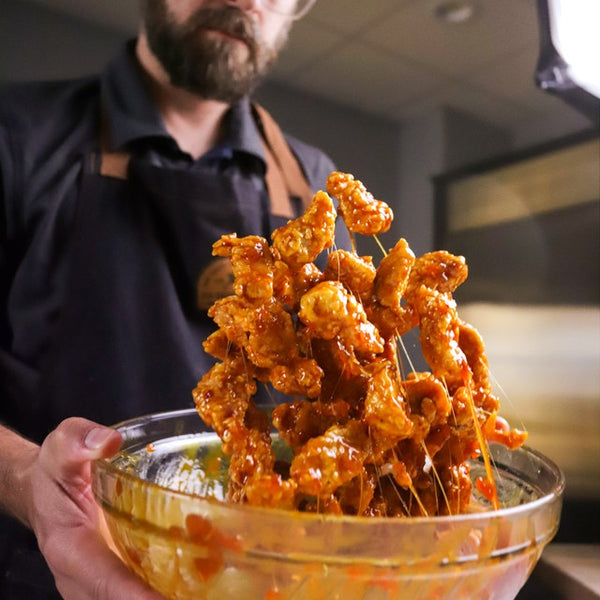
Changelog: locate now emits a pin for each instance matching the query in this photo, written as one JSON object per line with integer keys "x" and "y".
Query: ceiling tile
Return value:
{"x": 357, "y": 75}
{"x": 512, "y": 77}
{"x": 480, "y": 104}
{"x": 348, "y": 16}
{"x": 497, "y": 28}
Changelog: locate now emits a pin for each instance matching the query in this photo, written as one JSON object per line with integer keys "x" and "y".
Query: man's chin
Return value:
{"x": 226, "y": 88}
{"x": 235, "y": 45}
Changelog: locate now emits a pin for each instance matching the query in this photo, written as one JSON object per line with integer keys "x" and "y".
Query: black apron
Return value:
{"x": 129, "y": 338}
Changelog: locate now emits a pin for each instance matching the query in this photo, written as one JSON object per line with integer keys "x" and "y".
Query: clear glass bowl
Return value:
{"x": 162, "y": 498}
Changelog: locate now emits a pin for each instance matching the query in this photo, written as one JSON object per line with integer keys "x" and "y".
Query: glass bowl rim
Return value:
{"x": 105, "y": 464}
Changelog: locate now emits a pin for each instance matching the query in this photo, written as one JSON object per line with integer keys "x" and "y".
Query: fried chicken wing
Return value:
{"x": 471, "y": 344}
{"x": 271, "y": 491}
{"x": 252, "y": 265}
{"x": 329, "y": 310}
{"x": 439, "y": 271}
{"x": 427, "y": 396}
{"x": 223, "y": 395}
{"x": 389, "y": 313}
{"x": 266, "y": 332}
{"x": 298, "y": 422}
{"x": 386, "y": 412}
{"x": 392, "y": 275}
{"x": 328, "y": 461}
{"x": 361, "y": 212}
{"x": 356, "y": 273}
{"x": 439, "y": 336}
{"x": 300, "y": 241}
{"x": 300, "y": 377}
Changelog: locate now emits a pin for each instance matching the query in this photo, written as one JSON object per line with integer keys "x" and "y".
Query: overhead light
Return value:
{"x": 569, "y": 50}
{"x": 455, "y": 12}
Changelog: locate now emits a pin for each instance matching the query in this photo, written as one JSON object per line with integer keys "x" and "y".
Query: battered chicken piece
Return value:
{"x": 427, "y": 397}
{"x": 385, "y": 411}
{"x": 251, "y": 458}
{"x": 300, "y": 377}
{"x": 300, "y": 241}
{"x": 344, "y": 376}
{"x": 392, "y": 275}
{"x": 355, "y": 496}
{"x": 439, "y": 271}
{"x": 471, "y": 344}
{"x": 330, "y": 460}
{"x": 289, "y": 286}
{"x": 392, "y": 323}
{"x": 271, "y": 491}
{"x": 391, "y": 316}
{"x": 357, "y": 273}
{"x": 252, "y": 265}
{"x": 389, "y": 500}
{"x": 439, "y": 337}
{"x": 461, "y": 422}
{"x": 430, "y": 408}
{"x": 283, "y": 284}
{"x": 337, "y": 357}
{"x": 299, "y": 282}
{"x": 452, "y": 498}
{"x": 329, "y": 310}
{"x": 250, "y": 451}
{"x": 217, "y": 344}
{"x": 224, "y": 401}
{"x": 299, "y": 421}
{"x": 361, "y": 212}
{"x": 266, "y": 332}
{"x": 223, "y": 395}
{"x": 305, "y": 278}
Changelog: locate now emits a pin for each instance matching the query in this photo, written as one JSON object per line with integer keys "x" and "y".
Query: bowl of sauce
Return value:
{"x": 164, "y": 497}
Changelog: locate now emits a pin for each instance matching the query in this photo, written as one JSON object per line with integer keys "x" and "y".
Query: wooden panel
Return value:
{"x": 529, "y": 225}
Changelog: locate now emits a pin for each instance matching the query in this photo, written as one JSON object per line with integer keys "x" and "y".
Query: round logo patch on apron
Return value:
{"x": 215, "y": 282}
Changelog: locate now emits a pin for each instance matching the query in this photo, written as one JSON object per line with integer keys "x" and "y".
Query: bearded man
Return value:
{"x": 112, "y": 192}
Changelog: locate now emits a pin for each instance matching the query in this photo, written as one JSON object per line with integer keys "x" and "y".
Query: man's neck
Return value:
{"x": 194, "y": 123}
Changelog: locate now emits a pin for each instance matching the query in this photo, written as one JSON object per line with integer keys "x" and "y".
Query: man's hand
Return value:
{"x": 51, "y": 493}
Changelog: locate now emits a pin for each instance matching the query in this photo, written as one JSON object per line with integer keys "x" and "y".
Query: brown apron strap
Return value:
{"x": 112, "y": 164}
{"x": 284, "y": 178}
{"x": 279, "y": 197}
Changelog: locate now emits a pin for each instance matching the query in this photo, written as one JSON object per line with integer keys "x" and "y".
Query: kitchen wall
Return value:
{"x": 36, "y": 43}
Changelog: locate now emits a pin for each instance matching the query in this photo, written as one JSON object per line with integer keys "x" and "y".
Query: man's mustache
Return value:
{"x": 229, "y": 20}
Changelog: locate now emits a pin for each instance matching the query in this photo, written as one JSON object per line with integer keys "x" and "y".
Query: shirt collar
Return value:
{"x": 133, "y": 116}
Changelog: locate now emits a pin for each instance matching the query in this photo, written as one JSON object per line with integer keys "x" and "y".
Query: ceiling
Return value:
{"x": 395, "y": 59}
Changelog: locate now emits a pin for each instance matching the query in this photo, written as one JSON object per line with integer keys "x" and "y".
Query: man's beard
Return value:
{"x": 208, "y": 64}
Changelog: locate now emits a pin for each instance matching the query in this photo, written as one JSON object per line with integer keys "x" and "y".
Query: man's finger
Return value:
{"x": 66, "y": 452}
